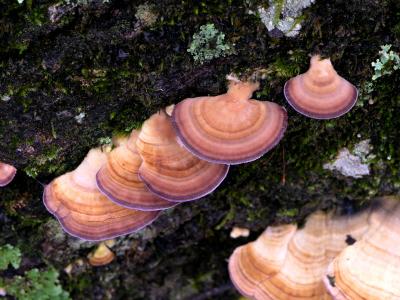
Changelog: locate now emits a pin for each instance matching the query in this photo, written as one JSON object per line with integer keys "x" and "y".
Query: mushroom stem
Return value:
{"x": 240, "y": 91}
{"x": 321, "y": 70}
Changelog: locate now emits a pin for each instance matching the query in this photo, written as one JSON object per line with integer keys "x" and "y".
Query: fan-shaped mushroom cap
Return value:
{"x": 229, "y": 128}
{"x": 118, "y": 179}
{"x": 291, "y": 264}
{"x": 86, "y": 213}
{"x": 370, "y": 269}
{"x": 101, "y": 256}
{"x": 255, "y": 262}
{"x": 168, "y": 169}
{"x": 7, "y": 173}
{"x": 320, "y": 93}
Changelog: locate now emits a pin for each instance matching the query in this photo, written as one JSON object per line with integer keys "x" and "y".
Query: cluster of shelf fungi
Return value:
{"x": 344, "y": 257}
{"x": 183, "y": 153}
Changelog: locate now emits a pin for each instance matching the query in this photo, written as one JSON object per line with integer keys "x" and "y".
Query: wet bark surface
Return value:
{"x": 98, "y": 69}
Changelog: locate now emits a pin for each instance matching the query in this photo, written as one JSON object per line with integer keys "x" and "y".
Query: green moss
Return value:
{"x": 77, "y": 63}
{"x": 278, "y": 10}
{"x": 291, "y": 213}
{"x": 47, "y": 163}
{"x": 9, "y": 255}
{"x": 35, "y": 285}
{"x": 229, "y": 216}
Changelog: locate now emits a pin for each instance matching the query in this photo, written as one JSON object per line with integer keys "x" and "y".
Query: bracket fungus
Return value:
{"x": 168, "y": 169}
{"x": 370, "y": 269}
{"x": 101, "y": 256}
{"x": 86, "y": 213}
{"x": 320, "y": 93}
{"x": 255, "y": 262}
{"x": 7, "y": 173}
{"x": 118, "y": 179}
{"x": 289, "y": 263}
{"x": 230, "y": 128}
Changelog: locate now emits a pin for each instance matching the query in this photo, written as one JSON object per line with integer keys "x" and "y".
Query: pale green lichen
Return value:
{"x": 146, "y": 14}
{"x": 9, "y": 255}
{"x": 5, "y": 98}
{"x": 284, "y": 15}
{"x": 79, "y": 118}
{"x": 105, "y": 140}
{"x": 353, "y": 163}
{"x": 388, "y": 62}
{"x": 209, "y": 43}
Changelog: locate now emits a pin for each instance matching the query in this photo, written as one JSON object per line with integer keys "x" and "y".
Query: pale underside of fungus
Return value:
{"x": 289, "y": 263}
{"x": 7, "y": 174}
{"x": 320, "y": 93}
{"x": 370, "y": 269}
{"x": 230, "y": 128}
{"x": 168, "y": 169}
{"x": 118, "y": 179}
{"x": 86, "y": 213}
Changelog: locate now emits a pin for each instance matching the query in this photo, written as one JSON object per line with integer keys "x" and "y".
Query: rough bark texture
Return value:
{"x": 101, "y": 60}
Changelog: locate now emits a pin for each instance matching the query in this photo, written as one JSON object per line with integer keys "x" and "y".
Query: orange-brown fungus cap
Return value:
{"x": 229, "y": 128}
{"x": 288, "y": 264}
{"x": 101, "y": 256}
{"x": 370, "y": 269}
{"x": 118, "y": 179}
{"x": 168, "y": 169}
{"x": 86, "y": 213}
{"x": 257, "y": 261}
{"x": 320, "y": 93}
{"x": 7, "y": 173}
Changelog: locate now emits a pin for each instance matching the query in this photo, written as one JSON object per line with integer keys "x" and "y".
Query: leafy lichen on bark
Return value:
{"x": 96, "y": 59}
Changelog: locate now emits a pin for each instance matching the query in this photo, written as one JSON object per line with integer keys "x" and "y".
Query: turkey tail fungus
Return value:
{"x": 230, "y": 128}
{"x": 251, "y": 264}
{"x": 168, "y": 169}
{"x": 118, "y": 179}
{"x": 285, "y": 263}
{"x": 7, "y": 173}
{"x": 320, "y": 93}
{"x": 86, "y": 213}
{"x": 370, "y": 269}
{"x": 101, "y": 256}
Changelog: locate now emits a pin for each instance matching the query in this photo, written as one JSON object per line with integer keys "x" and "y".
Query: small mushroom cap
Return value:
{"x": 118, "y": 179}
{"x": 320, "y": 93}
{"x": 168, "y": 169}
{"x": 238, "y": 232}
{"x": 101, "y": 256}
{"x": 7, "y": 173}
{"x": 288, "y": 264}
{"x": 229, "y": 128}
{"x": 370, "y": 269}
{"x": 86, "y": 213}
{"x": 170, "y": 109}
